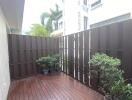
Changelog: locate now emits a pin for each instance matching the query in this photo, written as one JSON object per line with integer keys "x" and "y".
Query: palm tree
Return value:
{"x": 43, "y": 17}
{"x": 50, "y": 17}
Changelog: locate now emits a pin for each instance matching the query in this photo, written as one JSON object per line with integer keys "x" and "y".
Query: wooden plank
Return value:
{"x": 27, "y": 56}
{"x": 65, "y": 56}
{"x": 81, "y": 68}
{"x": 86, "y": 57}
{"x": 71, "y": 54}
{"x": 39, "y": 46}
{"x": 44, "y": 46}
{"x": 15, "y": 69}
{"x": 34, "y": 53}
{"x": 51, "y": 87}
{"x": 23, "y": 72}
{"x": 10, "y": 55}
{"x": 76, "y": 56}
{"x": 62, "y": 53}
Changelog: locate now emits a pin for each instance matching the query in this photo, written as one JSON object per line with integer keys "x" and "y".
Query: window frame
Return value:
{"x": 85, "y": 22}
{"x": 96, "y": 3}
{"x": 85, "y": 2}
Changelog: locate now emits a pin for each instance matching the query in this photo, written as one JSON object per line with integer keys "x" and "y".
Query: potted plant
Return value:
{"x": 48, "y": 64}
{"x": 45, "y": 64}
{"x": 110, "y": 77}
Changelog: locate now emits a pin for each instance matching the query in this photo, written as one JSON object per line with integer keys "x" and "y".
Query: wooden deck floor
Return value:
{"x": 51, "y": 87}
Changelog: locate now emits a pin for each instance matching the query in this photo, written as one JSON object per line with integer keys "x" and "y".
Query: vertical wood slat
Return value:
{"x": 11, "y": 64}
{"x": 71, "y": 55}
{"x": 76, "y": 56}
{"x": 62, "y": 56}
{"x": 27, "y": 61}
{"x": 23, "y": 52}
{"x": 86, "y": 57}
{"x": 81, "y": 71}
{"x": 65, "y": 55}
{"x": 44, "y": 50}
{"x": 22, "y": 56}
{"x": 14, "y": 51}
{"x": 63, "y": 52}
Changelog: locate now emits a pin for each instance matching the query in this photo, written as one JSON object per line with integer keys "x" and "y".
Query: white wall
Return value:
{"x": 72, "y": 8}
{"x": 109, "y": 9}
{"x": 70, "y": 16}
{"x": 4, "y": 60}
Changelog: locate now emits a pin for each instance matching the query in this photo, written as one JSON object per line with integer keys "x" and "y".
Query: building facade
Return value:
{"x": 79, "y": 15}
{"x": 74, "y": 16}
{"x": 103, "y": 12}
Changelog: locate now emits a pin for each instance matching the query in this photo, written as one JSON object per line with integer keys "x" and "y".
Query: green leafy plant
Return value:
{"x": 48, "y": 62}
{"x": 110, "y": 76}
{"x": 56, "y": 62}
{"x": 38, "y": 30}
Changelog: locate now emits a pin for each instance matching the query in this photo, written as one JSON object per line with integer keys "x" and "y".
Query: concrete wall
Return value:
{"x": 4, "y": 59}
{"x": 109, "y": 9}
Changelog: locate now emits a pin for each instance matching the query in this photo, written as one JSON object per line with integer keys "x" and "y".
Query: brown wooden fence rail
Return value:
{"x": 24, "y": 50}
{"x": 114, "y": 40}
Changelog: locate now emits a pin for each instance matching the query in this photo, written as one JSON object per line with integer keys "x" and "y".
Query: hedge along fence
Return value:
{"x": 24, "y": 50}
{"x": 114, "y": 40}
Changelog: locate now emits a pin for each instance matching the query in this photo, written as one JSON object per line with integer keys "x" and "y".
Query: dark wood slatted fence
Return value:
{"x": 114, "y": 39}
{"x": 86, "y": 57}
{"x": 75, "y": 58}
{"x": 81, "y": 50}
{"x": 71, "y": 55}
{"x": 24, "y": 50}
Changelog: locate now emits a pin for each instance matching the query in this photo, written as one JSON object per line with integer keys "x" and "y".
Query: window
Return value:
{"x": 85, "y": 22}
{"x": 95, "y": 2}
{"x": 60, "y": 25}
{"x": 85, "y": 2}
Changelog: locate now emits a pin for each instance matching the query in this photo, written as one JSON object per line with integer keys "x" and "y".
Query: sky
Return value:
{"x": 32, "y": 11}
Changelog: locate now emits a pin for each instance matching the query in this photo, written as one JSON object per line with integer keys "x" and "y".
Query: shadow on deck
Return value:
{"x": 51, "y": 87}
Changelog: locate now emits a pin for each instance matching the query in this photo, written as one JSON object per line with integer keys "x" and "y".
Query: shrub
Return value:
{"x": 48, "y": 61}
{"x": 111, "y": 79}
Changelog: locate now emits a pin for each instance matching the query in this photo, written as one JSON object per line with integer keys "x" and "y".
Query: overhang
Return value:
{"x": 13, "y": 12}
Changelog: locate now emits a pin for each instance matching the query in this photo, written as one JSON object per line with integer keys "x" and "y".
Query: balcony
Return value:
{"x": 51, "y": 87}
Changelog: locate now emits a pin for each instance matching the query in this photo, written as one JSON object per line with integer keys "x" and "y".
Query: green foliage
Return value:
{"x": 57, "y": 57}
{"x": 50, "y": 16}
{"x": 38, "y": 30}
{"x": 106, "y": 68}
{"x": 48, "y": 61}
{"x": 43, "y": 17}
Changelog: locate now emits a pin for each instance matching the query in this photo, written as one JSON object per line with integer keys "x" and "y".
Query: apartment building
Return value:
{"x": 74, "y": 16}
{"x": 103, "y": 12}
